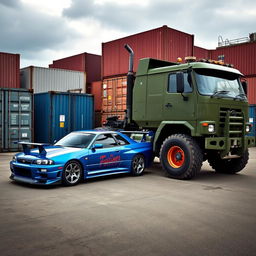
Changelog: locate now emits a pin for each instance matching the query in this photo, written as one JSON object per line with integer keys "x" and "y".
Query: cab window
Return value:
{"x": 172, "y": 83}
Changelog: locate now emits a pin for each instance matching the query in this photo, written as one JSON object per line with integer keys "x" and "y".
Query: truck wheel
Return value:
{"x": 181, "y": 157}
{"x": 229, "y": 166}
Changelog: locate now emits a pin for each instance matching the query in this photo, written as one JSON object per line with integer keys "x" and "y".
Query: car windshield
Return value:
{"x": 76, "y": 140}
{"x": 217, "y": 83}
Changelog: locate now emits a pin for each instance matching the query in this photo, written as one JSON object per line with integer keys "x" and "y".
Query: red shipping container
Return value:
{"x": 161, "y": 43}
{"x": 9, "y": 70}
{"x": 251, "y": 91}
{"x": 85, "y": 62}
{"x": 242, "y": 56}
{"x": 201, "y": 53}
{"x": 96, "y": 91}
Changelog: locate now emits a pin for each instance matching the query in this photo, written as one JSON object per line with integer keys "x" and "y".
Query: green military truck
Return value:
{"x": 197, "y": 110}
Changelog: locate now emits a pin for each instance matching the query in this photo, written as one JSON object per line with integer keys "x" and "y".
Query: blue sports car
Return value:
{"x": 81, "y": 155}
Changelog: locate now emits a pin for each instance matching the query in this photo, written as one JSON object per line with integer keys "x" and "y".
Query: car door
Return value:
{"x": 106, "y": 159}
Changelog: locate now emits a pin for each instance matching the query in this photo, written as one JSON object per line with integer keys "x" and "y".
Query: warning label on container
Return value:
{"x": 62, "y": 118}
{"x": 62, "y": 124}
{"x": 251, "y": 120}
{"x": 24, "y": 135}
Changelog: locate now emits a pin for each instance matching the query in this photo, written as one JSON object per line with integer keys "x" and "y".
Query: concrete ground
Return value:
{"x": 214, "y": 214}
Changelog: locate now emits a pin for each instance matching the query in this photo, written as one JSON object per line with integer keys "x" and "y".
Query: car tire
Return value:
{"x": 138, "y": 165}
{"x": 228, "y": 166}
{"x": 181, "y": 156}
{"x": 72, "y": 173}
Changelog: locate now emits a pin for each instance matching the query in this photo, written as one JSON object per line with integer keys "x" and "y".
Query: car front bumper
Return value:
{"x": 33, "y": 174}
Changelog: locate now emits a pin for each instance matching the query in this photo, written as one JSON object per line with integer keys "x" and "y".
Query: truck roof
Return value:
{"x": 152, "y": 66}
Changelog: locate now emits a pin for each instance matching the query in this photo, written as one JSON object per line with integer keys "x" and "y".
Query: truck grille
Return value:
{"x": 22, "y": 172}
{"x": 231, "y": 122}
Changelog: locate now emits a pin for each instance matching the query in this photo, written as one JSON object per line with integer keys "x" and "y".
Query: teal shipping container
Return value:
{"x": 252, "y": 119}
{"x": 59, "y": 113}
{"x": 16, "y": 118}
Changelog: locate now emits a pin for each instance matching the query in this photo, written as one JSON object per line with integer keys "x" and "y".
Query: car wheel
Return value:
{"x": 138, "y": 165}
{"x": 72, "y": 173}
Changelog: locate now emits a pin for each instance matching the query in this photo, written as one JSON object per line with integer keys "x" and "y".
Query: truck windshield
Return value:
{"x": 217, "y": 83}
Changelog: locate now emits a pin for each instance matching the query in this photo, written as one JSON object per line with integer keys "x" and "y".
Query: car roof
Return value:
{"x": 95, "y": 131}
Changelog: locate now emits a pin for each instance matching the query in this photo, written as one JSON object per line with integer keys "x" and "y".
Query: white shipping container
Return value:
{"x": 52, "y": 79}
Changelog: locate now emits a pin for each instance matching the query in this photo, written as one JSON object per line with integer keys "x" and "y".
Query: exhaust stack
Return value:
{"x": 130, "y": 84}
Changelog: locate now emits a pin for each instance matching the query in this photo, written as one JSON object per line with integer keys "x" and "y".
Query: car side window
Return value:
{"x": 122, "y": 141}
{"x": 106, "y": 140}
{"x": 172, "y": 83}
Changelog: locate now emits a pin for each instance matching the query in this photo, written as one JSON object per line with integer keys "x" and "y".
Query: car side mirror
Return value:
{"x": 97, "y": 146}
{"x": 244, "y": 85}
{"x": 180, "y": 82}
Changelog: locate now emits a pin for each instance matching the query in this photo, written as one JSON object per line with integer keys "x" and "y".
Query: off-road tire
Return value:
{"x": 229, "y": 166}
{"x": 186, "y": 148}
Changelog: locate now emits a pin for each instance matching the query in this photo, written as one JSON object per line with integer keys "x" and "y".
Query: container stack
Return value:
{"x": 162, "y": 43}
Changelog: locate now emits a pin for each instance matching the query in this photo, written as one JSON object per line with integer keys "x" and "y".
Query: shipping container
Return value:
{"x": 46, "y": 79}
{"x": 114, "y": 94}
{"x": 16, "y": 118}
{"x": 201, "y": 53}
{"x": 9, "y": 70}
{"x": 162, "y": 43}
{"x": 251, "y": 89}
{"x": 242, "y": 56}
{"x": 59, "y": 113}
{"x": 252, "y": 119}
{"x": 96, "y": 91}
{"x": 97, "y": 119}
{"x": 84, "y": 62}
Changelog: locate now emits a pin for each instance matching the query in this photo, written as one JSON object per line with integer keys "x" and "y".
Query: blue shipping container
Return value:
{"x": 252, "y": 119}
{"x": 59, "y": 113}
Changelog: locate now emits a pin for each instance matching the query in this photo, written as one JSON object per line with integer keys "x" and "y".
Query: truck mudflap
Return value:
{"x": 226, "y": 144}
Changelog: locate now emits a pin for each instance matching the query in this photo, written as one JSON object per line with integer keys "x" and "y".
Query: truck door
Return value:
{"x": 177, "y": 106}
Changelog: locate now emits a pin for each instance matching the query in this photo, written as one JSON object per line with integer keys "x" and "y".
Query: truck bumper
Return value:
{"x": 226, "y": 144}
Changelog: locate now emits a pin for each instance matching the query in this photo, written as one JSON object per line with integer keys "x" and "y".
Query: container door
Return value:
{"x": 1, "y": 120}
{"x": 61, "y": 115}
{"x": 18, "y": 117}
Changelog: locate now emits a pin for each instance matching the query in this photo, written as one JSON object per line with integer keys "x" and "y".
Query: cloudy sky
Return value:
{"x": 44, "y": 30}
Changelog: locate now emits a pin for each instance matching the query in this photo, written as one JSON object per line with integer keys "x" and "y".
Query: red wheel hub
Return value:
{"x": 176, "y": 157}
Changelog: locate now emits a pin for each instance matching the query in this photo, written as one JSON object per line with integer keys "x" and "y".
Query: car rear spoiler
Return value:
{"x": 40, "y": 146}
{"x": 140, "y": 136}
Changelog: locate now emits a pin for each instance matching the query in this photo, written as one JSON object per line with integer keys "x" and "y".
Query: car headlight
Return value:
{"x": 43, "y": 162}
{"x": 14, "y": 158}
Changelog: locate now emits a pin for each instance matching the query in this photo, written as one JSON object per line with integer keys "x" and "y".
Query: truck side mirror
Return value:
{"x": 244, "y": 85}
{"x": 180, "y": 82}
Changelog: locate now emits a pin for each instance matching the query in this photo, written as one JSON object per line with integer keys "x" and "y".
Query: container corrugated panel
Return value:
{"x": 9, "y": 70}
{"x": 45, "y": 79}
{"x": 97, "y": 119}
{"x": 201, "y": 53}
{"x": 96, "y": 91}
{"x": 59, "y": 113}
{"x": 252, "y": 115}
{"x": 114, "y": 94}
{"x": 251, "y": 94}
{"x": 242, "y": 56}
{"x": 161, "y": 43}
{"x": 16, "y": 120}
{"x": 84, "y": 62}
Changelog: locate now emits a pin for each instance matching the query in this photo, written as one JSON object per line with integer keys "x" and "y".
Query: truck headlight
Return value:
{"x": 43, "y": 162}
{"x": 248, "y": 128}
{"x": 211, "y": 128}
